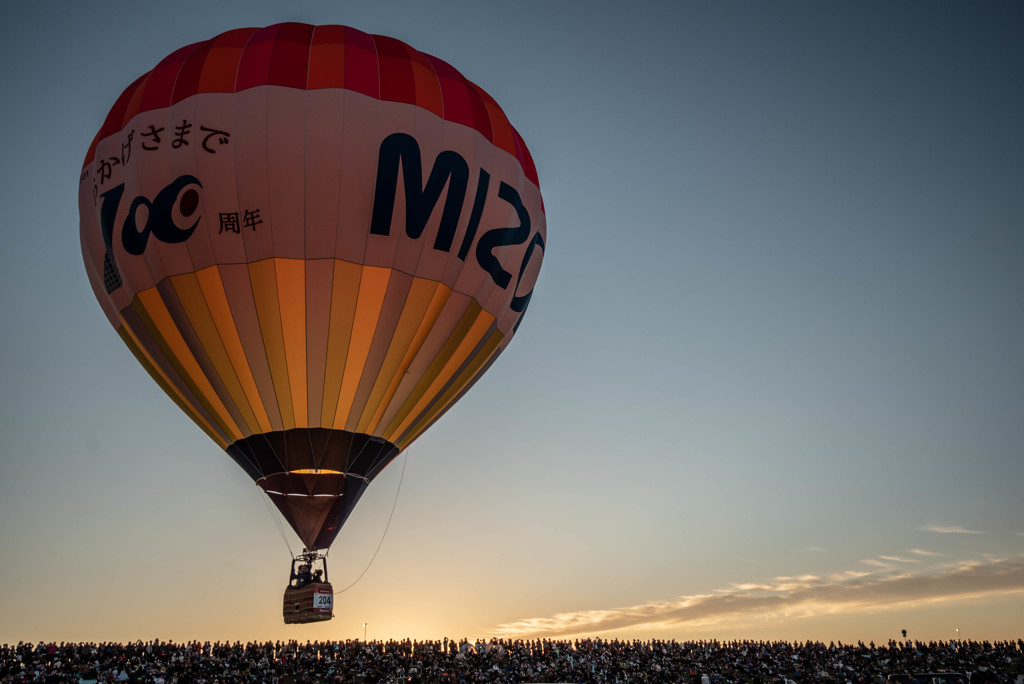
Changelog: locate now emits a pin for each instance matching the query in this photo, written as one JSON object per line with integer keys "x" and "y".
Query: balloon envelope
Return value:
{"x": 315, "y": 240}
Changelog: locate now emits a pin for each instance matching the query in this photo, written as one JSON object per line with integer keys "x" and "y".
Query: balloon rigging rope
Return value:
{"x": 277, "y": 521}
{"x": 405, "y": 461}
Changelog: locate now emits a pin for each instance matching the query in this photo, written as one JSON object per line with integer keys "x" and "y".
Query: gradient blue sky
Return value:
{"x": 769, "y": 386}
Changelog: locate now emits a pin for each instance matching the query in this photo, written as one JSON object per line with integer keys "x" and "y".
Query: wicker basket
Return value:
{"x": 311, "y": 603}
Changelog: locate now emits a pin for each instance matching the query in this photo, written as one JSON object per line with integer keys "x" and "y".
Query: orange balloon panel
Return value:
{"x": 315, "y": 240}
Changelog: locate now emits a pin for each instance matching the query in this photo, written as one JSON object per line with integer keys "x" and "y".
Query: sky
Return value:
{"x": 769, "y": 385}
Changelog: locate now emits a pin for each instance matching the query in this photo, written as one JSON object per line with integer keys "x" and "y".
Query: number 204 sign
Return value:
{"x": 323, "y": 600}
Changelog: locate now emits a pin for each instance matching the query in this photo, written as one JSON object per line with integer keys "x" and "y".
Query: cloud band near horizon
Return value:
{"x": 804, "y": 596}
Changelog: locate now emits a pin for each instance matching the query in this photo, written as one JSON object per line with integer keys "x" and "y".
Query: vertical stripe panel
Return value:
{"x": 165, "y": 333}
{"x": 390, "y": 314}
{"x": 238, "y": 289}
{"x": 373, "y": 285}
{"x": 441, "y": 404}
{"x": 263, "y": 275}
{"x": 435, "y": 361}
{"x": 401, "y": 388}
{"x": 445, "y": 366}
{"x": 220, "y": 311}
{"x": 397, "y": 360}
{"x": 186, "y": 328}
{"x": 319, "y": 277}
{"x": 193, "y": 302}
{"x": 343, "y": 311}
{"x": 291, "y": 288}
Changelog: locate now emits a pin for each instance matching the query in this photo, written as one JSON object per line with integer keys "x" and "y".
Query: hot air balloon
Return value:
{"x": 315, "y": 240}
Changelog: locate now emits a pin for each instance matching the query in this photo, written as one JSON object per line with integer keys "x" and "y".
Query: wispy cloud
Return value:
{"x": 847, "y": 575}
{"x": 950, "y": 529}
{"x": 877, "y": 563}
{"x": 790, "y": 597}
{"x": 898, "y": 559}
{"x": 922, "y": 552}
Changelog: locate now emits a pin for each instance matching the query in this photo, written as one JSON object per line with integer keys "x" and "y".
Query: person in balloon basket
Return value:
{"x": 302, "y": 577}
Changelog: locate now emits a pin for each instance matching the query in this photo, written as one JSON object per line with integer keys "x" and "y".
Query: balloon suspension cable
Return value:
{"x": 405, "y": 460}
{"x": 276, "y": 516}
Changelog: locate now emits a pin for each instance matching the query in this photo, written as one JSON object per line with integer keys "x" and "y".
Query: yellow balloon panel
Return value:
{"x": 406, "y": 344}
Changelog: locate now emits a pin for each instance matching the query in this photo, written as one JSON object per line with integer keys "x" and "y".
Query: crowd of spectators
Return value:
{"x": 503, "y": 660}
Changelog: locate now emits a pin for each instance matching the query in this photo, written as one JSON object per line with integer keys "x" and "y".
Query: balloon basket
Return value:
{"x": 309, "y": 596}
{"x": 311, "y": 603}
